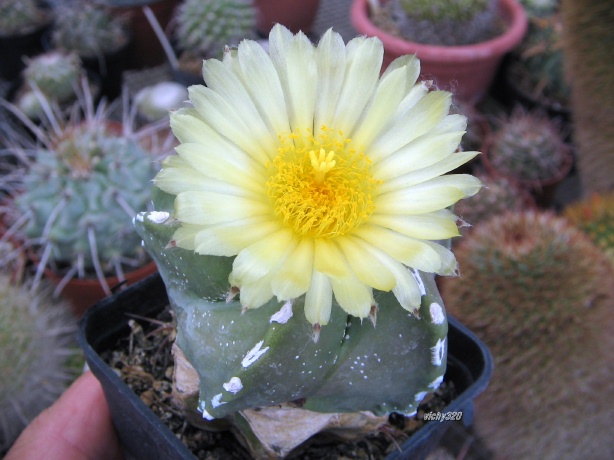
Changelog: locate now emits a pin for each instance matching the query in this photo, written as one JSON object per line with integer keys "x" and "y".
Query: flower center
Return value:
{"x": 321, "y": 188}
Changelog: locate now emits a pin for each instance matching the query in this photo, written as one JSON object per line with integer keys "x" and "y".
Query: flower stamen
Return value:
{"x": 321, "y": 164}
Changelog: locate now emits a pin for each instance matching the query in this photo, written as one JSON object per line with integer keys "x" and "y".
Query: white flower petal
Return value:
{"x": 293, "y": 277}
{"x": 367, "y": 268}
{"x": 229, "y": 239}
{"x": 318, "y": 299}
{"x": 353, "y": 296}
{"x": 431, "y": 226}
{"x": 209, "y": 208}
{"x": 360, "y": 81}
{"x": 329, "y": 259}
{"x": 293, "y": 57}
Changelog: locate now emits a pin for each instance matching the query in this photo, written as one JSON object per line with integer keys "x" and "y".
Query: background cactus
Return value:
{"x": 497, "y": 196}
{"x": 528, "y": 147}
{"x": 443, "y": 22}
{"x": 535, "y": 289}
{"x": 37, "y": 339}
{"x": 204, "y": 27}
{"x": 268, "y": 356}
{"x": 594, "y": 215}
{"x": 588, "y": 38}
{"x": 88, "y": 28}
{"x": 21, "y": 17}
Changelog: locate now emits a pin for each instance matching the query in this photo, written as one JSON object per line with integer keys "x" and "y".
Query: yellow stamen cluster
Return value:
{"x": 321, "y": 188}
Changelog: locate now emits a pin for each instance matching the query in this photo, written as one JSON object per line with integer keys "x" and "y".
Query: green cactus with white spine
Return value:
{"x": 21, "y": 16}
{"x": 55, "y": 73}
{"x": 442, "y": 22}
{"x": 205, "y": 27}
{"x": 528, "y": 146}
{"x": 37, "y": 339}
{"x": 89, "y": 29}
{"x": 84, "y": 185}
{"x": 537, "y": 291}
{"x": 267, "y": 356}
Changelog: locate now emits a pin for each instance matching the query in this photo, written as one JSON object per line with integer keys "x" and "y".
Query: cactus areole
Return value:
{"x": 306, "y": 196}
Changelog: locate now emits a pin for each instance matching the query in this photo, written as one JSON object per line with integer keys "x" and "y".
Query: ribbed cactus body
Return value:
{"x": 204, "y": 27}
{"x": 588, "y": 39}
{"x": 36, "y": 339}
{"x": 88, "y": 183}
{"x": 268, "y": 356}
{"x": 539, "y": 293}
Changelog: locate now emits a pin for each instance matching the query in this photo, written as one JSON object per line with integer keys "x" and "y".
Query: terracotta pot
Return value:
{"x": 469, "y": 69}
{"x": 82, "y": 293}
{"x": 294, "y": 14}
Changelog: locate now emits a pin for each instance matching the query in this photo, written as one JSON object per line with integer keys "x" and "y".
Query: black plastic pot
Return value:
{"x": 144, "y": 436}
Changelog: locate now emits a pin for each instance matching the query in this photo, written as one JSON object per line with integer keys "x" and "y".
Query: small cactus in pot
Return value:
{"x": 528, "y": 147}
{"x": 301, "y": 280}
{"x": 18, "y": 17}
{"x": 82, "y": 179}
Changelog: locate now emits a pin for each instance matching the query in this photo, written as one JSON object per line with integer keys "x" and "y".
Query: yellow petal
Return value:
{"x": 329, "y": 259}
{"x": 438, "y": 225}
{"x": 367, "y": 268}
{"x": 260, "y": 258}
{"x": 353, "y": 296}
{"x": 293, "y": 277}
{"x": 254, "y": 295}
{"x": 230, "y": 238}
{"x": 409, "y": 251}
{"x": 318, "y": 299}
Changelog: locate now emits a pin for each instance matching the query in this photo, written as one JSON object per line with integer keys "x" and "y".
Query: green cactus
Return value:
{"x": 594, "y": 215}
{"x": 588, "y": 38}
{"x": 528, "y": 147}
{"x": 21, "y": 17}
{"x": 536, "y": 290}
{"x": 540, "y": 8}
{"x": 89, "y": 29}
{"x": 205, "y": 27}
{"x": 80, "y": 185}
{"x": 38, "y": 346}
{"x": 267, "y": 356}
{"x": 497, "y": 196}
{"x": 538, "y": 68}
{"x": 444, "y": 22}
{"x": 55, "y": 73}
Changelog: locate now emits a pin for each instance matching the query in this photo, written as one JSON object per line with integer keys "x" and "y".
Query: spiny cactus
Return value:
{"x": 538, "y": 68}
{"x": 540, "y": 8}
{"x": 21, "y": 16}
{"x": 497, "y": 196}
{"x": 444, "y": 22}
{"x": 37, "y": 339}
{"x": 204, "y": 27}
{"x": 588, "y": 38}
{"x": 539, "y": 293}
{"x": 89, "y": 29}
{"x": 528, "y": 147}
{"x": 594, "y": 215}
{"x": 80, "y": 186}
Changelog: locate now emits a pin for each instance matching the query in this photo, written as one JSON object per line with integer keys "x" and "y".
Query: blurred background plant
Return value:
{"x": 538, "y": 292}
{"x": 440, "y": 22}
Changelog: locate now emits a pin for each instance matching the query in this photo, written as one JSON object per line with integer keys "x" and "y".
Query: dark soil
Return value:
{"x": 143, "y": 360}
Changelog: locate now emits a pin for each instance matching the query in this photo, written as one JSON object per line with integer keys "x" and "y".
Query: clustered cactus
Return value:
{"x": 89, "y": 29}
{"x": 443, "y": 22}
{"x": 21, "y": 16}
{"x": 535, "y": 289}
{"x": 594, "y": 215}
{"x": 528, "y": 147}
{"x": 205, "y": 27}
{"x": 37, "y": 339}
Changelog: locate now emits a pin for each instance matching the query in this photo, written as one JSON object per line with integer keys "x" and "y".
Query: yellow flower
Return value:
{"x": 319, "y": 176}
